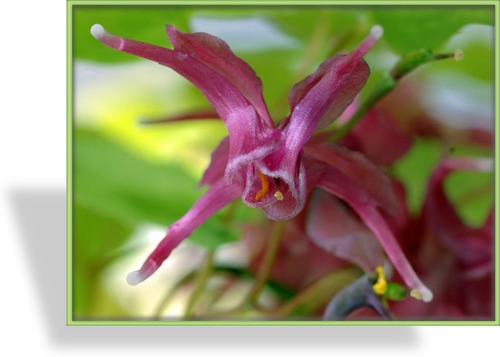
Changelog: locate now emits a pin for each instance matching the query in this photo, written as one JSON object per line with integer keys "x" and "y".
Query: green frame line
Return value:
{"x": 69, "y": 160}
{"x": 282, "y": 2}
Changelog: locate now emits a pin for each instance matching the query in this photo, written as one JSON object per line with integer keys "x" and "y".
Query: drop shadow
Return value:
{"x": 41, "y": 216}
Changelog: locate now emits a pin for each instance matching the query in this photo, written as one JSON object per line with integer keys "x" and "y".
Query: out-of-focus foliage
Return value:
{"x": 407, "y": 28}
{"x": 116, "y": 188}
{"x": 119, "y": 184}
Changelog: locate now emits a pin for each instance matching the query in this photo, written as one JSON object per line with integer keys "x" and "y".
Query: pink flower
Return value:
{"x": 456, "y": 259}
{"x": 273, "y": 168}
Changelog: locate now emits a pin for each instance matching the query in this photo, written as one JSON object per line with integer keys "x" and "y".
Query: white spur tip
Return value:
{"x": 377, "y": 31}
{"x": 422, "y": 294}
{"x": 97, "y": 31}
{"x": 134, "y": 278}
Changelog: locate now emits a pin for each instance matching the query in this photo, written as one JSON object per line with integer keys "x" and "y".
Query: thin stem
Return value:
{"x": 314, "y": 296}
{"x": 267, "y": 263}
{"x": 320, "y": 292}
{"x": 382, "y": 89}
{"x": 169, "y": 295}
{"x": 202, "y": 278}
{"x": 163, "y": 304}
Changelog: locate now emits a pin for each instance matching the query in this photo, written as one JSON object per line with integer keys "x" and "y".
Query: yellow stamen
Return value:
{"x": 265, "y": 186}
{"x": 416, "y": 294}
{"x": 380, "y": 287}
{"x": 279, "y": 196}
{"x": 458, "y": 54}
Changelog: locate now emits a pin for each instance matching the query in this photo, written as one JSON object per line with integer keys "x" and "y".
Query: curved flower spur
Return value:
{"x": 273, "y": 168}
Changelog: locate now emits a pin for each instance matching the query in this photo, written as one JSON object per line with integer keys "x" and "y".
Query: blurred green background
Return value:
{"x": 131, "y": 181}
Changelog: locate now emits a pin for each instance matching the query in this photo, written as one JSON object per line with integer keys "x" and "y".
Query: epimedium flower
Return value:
{"x": 456, "y": 257}
{"x": 274, "y": 167}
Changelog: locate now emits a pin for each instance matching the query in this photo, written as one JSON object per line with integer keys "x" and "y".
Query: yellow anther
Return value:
{"x": 458, "y": 54}
{"x": 279, "y": 196}
{"x": 265, "y": 186}
{"x": 380, "y": 286}
{"x": 416, "y": 294}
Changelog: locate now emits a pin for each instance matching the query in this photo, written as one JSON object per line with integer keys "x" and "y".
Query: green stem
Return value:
{"x": 320, "y": 292}
{"x": 314, "y": 296}
{"x": 169, "y": 295}
{"x": 203, "y": 275}
{"x": 403, "y": 67}
{"x": 267, "y": 263}
{"x": 383, "y": 87}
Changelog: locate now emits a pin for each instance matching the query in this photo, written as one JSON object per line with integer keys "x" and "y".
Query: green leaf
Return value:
{"x": 96, "y": 243}
{"x": 410, "y": 28}
{"x": 213, "y": 233}
{"x": 471, "y": 193}
{"x": 304, "y": 23}
{"x": 415, "y": 168}
{"x": 118, "y": 183}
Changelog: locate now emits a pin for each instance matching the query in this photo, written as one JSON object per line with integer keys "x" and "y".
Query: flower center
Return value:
{"x": 264, "y": 182}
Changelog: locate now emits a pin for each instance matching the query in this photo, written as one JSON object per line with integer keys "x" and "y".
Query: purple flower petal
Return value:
{"x": 217, "y": 196}
{"x": 216, "y": 168}
{"x": 333, "y": 226}
{"x": 472, "y": 246}
{"x": 323, "y": 96}
{"x": 361, "y": 172}
{"x": 236, "y": 97}
{"x": 216, "y": 55}
{"x": 287, "y": 182}
{"x": 341, "y": 186}
{"x": 318, "y": 99}
{"x": 380, "y": 139}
